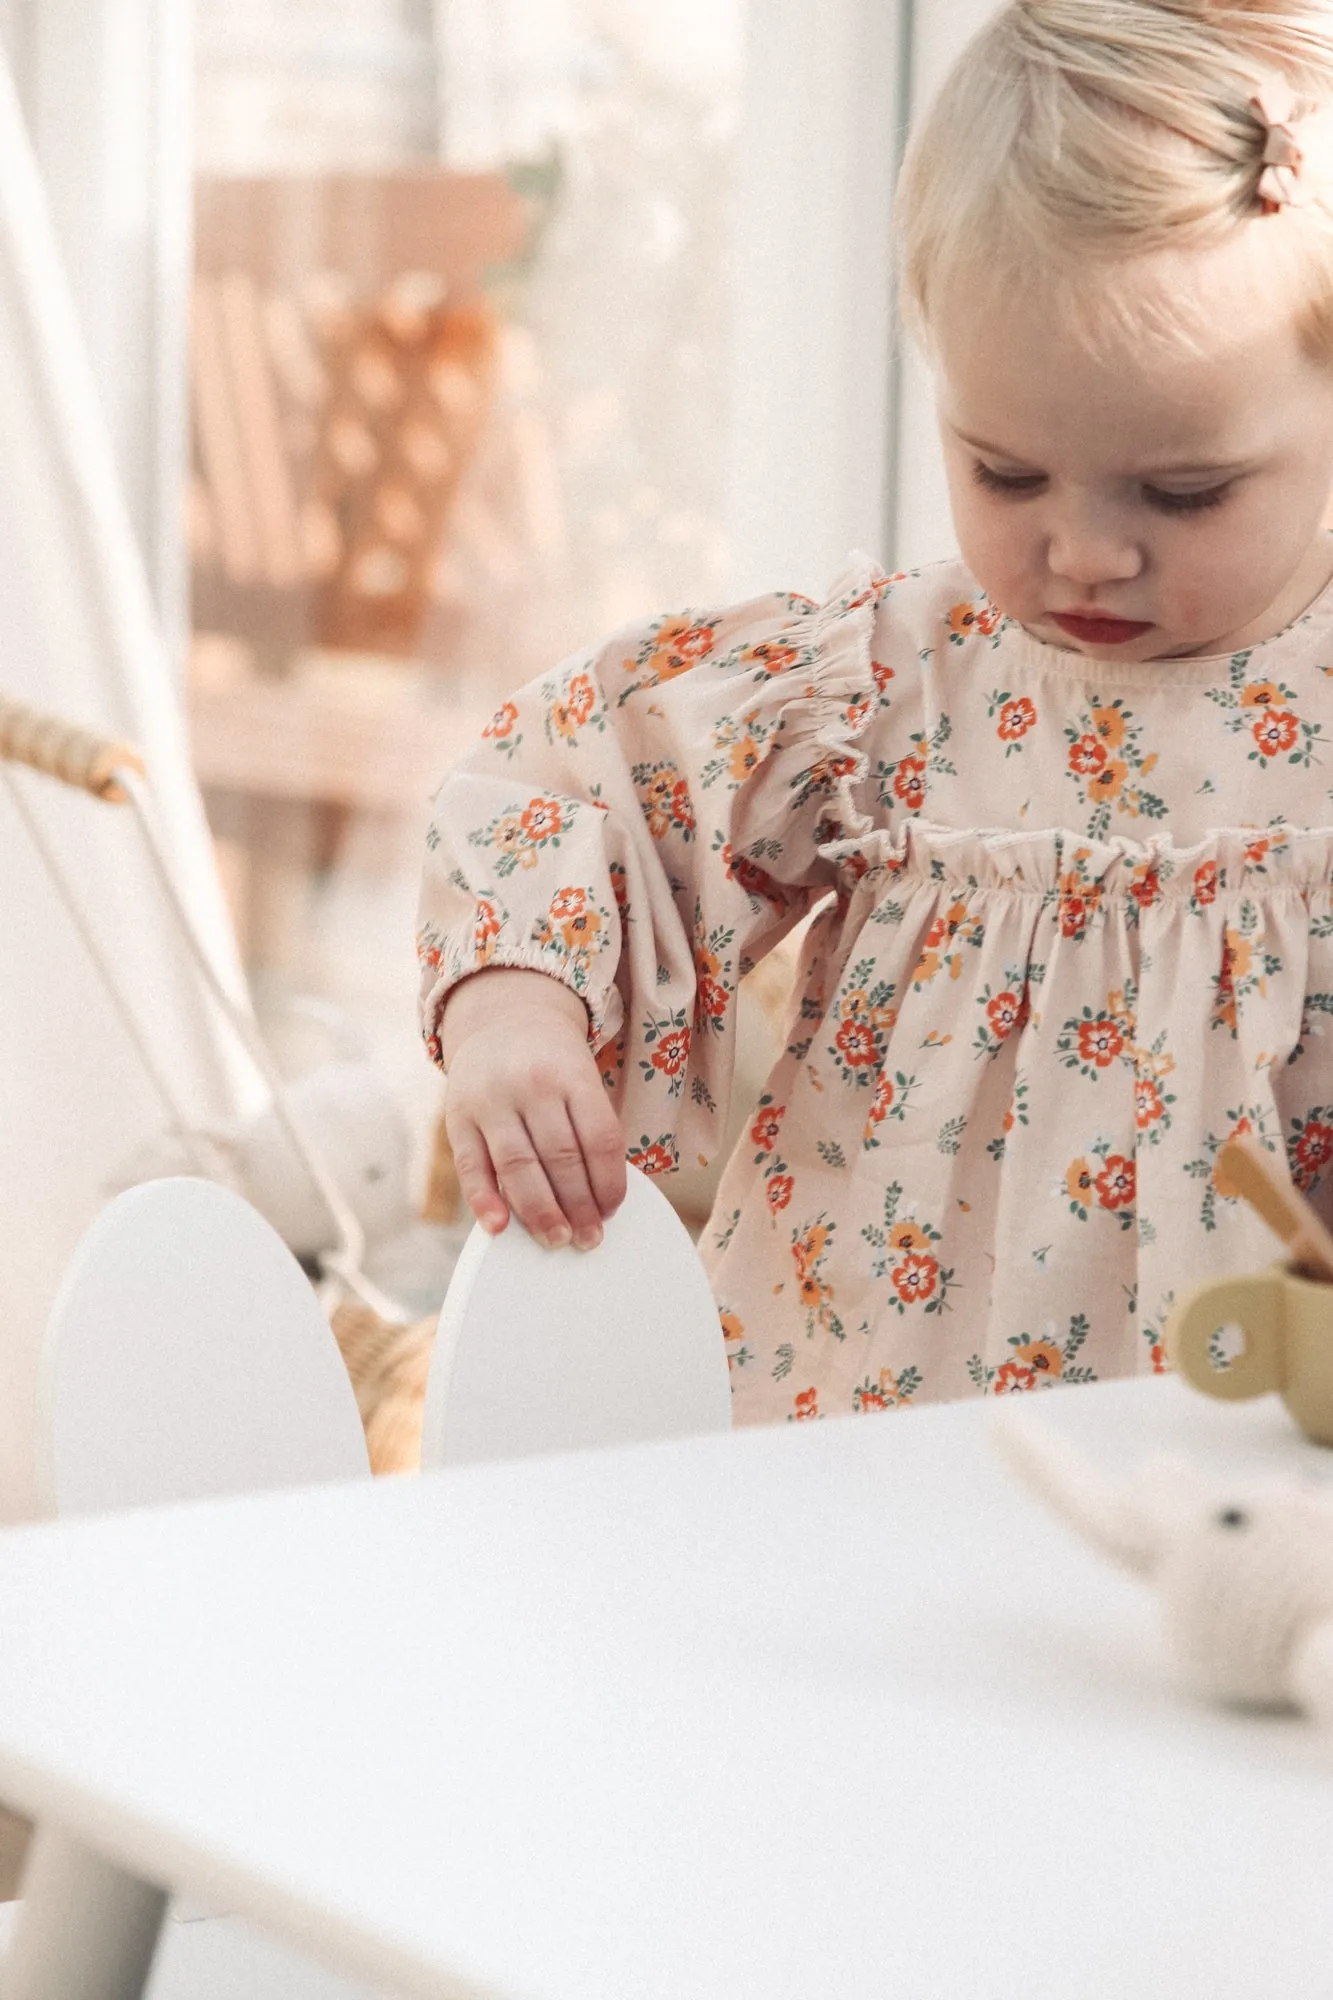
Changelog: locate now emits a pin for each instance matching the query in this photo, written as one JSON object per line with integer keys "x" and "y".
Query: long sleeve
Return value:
{"x": 648, "y": 820}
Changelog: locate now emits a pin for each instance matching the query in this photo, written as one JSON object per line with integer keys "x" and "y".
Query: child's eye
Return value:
{"x": 1186, "y": 503}
{"x": 999, "y": 482}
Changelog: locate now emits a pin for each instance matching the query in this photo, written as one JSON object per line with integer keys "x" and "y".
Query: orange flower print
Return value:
{"x": 568, "y": 903}
{"x": 672, "y": 1052}
{"x": 909, "y": 1257}
{"x": 881, "y": 1105}
{"x": 652, "y": 1156}
{"x": 1276, "y": 731}
{"x": 1109, "y": 725}
{"x": 710, "y": 998}
{"x": 1105, "y": 784}
{"x": 541, "y": 820}
{"x": 1100, "y": 1041}
{"x": 888, "y": 1392}
{"x": 1074, "y": 914}
{"x": 1205, "y": 884}
{"x": 502, "y": 722}
{"x": 755, "y": 881}
{"x": 1310, "y": 1149}
{"x": 771, "y": 656}
{"x": 915, "y": 1278}
{"x": 1004, "y": 1013}
{"x": 1148, "y": 1105}
{"x": 1016, "y": 718}
{"x": 1145, "y": 884}
{"x": 1087, "y": 754}
{"x": 964, "y": 619}
{"x": 1043, "y": 1357}
{"x": 955, "y": 927}
{"x": 1266, "y": 710}
{"x": 881, "y": 674}
{"x": 807, "y": 1405}
{"x": 767, "y": 1124}
{"x": 744, "y": 758}
{"x": 778, "y": 1191}
{"x": 909, "y": 783}
{"x": 808, "y": 1252}
{"x": 1106, "y": 781}
{"x": 581, "y": 696}
{"x": 1078, "y": 1186}
{"x": 1115, "y": 1184}
{"x": 712, "y": 988}
{"x": 1036, "y": 1362}
{"x": 434, "y": 1050}
{"x": 579, "y": 932}
{"x": 857, "y": 1044}
{"x": 485, "y": 929}
{"x": 678, "y": 646}
{"x": 665, "y": 797}
{"x": 572, "y": 705}
{"x": 733, "y": 1327}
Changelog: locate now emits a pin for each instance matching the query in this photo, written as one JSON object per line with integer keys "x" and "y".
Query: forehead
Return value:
{"x": 1009, "y": 374}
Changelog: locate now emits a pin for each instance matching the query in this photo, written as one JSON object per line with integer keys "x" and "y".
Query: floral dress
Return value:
{"x": 1070, "y": 928}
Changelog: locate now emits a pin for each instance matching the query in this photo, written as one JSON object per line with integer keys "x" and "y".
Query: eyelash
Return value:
{"x": 1169, "y": 503}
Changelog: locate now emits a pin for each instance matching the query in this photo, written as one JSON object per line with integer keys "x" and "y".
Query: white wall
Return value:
{"x": 813, "y": 379}
{"x": 924, "y": 530}
{"x": 78, "y": 636}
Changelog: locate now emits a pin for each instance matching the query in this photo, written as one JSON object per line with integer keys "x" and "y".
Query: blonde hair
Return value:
{"x": 1071, "y": 135}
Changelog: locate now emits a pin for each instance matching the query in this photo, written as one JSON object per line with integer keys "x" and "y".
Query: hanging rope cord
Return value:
{"x": 114, "y": 772}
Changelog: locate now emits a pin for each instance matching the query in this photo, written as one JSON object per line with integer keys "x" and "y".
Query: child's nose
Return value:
{"x": 1089, "y": 548}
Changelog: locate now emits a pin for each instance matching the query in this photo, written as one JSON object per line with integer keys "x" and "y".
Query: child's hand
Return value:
{"x": 526, "y": 1109}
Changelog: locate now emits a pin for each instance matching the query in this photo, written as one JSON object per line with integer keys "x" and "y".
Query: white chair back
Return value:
{"x": 559, "y": 1350}
{"x": 186, "y": 1356}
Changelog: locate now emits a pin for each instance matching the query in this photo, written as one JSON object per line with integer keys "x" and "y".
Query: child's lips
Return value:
{"x": 1100, "y": 630}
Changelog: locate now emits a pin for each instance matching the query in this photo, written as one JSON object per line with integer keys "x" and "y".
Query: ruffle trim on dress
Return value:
{"x": 1053, "y": 862}
{"x": 814, "y": 732}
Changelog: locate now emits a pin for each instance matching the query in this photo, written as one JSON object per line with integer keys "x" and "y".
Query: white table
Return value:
{"x": 826, "y": 1711}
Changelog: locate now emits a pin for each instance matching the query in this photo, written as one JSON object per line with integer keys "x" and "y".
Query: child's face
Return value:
{"x": 1183, "y": 494}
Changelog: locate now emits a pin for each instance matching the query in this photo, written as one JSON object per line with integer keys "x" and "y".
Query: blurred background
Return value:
{"x": 360, "y": 359}
{"x": 459, "y": 369}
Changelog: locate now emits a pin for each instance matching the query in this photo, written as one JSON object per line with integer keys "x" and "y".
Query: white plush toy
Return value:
{"x": 362, "y": 1137}
{"x": 1244, "y": 1578}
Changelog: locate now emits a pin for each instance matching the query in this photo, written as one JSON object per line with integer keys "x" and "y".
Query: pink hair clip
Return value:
{"x": 1281, "y": 184}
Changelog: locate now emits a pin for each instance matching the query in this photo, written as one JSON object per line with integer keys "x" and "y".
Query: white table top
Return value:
{"x": 830, "y": 1710}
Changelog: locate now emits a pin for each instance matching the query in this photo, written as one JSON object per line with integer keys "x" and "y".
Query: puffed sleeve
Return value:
{"x": 648, "y": 820}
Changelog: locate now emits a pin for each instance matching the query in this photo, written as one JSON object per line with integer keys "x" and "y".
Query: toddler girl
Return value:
{"x": 1060, "y": 809}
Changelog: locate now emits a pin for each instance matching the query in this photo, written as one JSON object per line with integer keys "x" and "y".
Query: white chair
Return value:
{"x": 558, "y": 1350}
{"x": 186, "y": 1355}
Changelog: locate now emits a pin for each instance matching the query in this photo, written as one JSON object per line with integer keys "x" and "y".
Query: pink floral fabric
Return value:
{"x": 1072, "y": 927}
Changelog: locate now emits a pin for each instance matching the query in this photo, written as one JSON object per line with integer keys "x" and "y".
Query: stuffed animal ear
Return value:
{"x": 1111, "y": 1518}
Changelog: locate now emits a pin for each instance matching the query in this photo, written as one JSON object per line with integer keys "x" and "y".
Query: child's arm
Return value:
{"x": 528, "y": 1116}
{"x": 636, "y": 828}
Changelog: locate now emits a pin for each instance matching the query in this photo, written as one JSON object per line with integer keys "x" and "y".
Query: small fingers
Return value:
{"x": 602, "y": 1144}
{"x": 476, "y": 1175}
{"x": 561, "y": 1155}
{"x": 525, "y": 1185}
